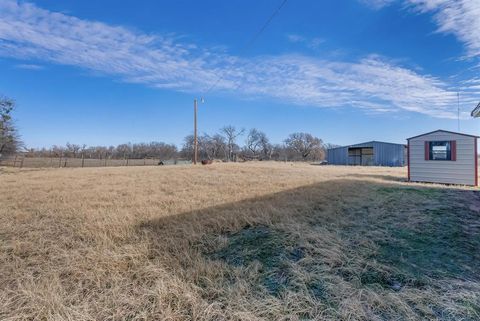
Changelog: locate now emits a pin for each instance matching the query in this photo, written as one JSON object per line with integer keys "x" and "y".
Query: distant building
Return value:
{"x": 443, "y": 157}
{"x": 368, "y": 154}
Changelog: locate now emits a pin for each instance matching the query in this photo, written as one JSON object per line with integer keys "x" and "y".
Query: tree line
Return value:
{"x": 229, "y": 144}
{"x": 224, "y": 145}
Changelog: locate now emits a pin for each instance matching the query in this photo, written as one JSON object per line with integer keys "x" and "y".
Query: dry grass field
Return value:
{"x": 253, "y": 241}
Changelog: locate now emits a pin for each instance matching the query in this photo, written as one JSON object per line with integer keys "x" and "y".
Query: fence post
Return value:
{"x": 83, "y": 160}
{"x": 21, "y": 162}
{"x": 127, "y": 162}
{"x": 144, "y": 161}
{"x": 15, "y": 161}
{"x": 65, "y": 165}
{"x": 60, "y": 162}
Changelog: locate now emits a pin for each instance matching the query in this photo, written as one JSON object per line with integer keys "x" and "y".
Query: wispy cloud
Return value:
{"x": 316, "y": 42}
{"x": 460, "y": 18}
{"x": 373, "y": 84}
{"x": 313, "y": 43}
{"x": 29, "y": 66}
{"x": 295, "y": 38}
{"x": 27, "y": 31}
{"x": 377, "y": 4}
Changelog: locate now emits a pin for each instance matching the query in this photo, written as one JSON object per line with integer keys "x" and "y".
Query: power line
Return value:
{"x": 250, "y": 43}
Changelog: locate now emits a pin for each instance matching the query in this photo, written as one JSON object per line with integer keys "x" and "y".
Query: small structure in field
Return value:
{"x": 443, "y": 157}
{"x": 368, "y": 154}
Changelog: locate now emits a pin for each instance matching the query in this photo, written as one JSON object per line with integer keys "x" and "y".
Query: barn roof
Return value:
{"x": 441, "y": 130}
{"x": 370, "y": 143}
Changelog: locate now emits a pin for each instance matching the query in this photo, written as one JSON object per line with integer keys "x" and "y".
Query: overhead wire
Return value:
{"x": 250, "y": 43}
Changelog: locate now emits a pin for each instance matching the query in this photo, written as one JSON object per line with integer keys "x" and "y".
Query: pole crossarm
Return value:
{"x": 476, "y": 112}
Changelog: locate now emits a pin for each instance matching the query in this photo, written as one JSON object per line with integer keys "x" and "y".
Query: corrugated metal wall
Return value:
{"x": 385, "y": 154}
{"x": 389, "y": 154}
{"x": 338, "y": 156}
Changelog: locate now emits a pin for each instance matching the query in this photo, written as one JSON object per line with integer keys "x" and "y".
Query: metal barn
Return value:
{"x": 368, "y": 154}
{"x": 443, "y": 157}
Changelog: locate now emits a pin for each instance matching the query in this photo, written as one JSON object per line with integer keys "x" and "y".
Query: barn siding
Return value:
{"x": 462, "y": 171}
{"x": 389, "y": 154}
{"x": 338, "y": 156}
{"x": 385, "y": 154}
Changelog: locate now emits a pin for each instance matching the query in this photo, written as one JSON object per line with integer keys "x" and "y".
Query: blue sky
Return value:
{"x": 108, "y": 72}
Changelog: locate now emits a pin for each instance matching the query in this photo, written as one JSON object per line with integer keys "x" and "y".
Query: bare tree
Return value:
{"x": 253, "y": 144}
{"x": 73, "y": 149}
{"x": 266, "y": 147}
{"x": 187, "y": 148}
{"x": 162, "y": 150}
{"x": 217, "y": 146}
{"x": 98, "y": 152}
{"x": 124, "y": 150}
{"x": 58, "y": 151}
{"x": 329, "y": 146}
{"x": 9, "y": 138}
{"x": 231, "y": 134}
{"x": 203, "y": 143}
{"x": 304, "y": 144}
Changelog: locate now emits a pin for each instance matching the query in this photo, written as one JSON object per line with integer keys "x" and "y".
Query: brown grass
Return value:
{"x": 257, "y": 241}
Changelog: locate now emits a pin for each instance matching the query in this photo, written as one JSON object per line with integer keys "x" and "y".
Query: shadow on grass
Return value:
{"x": 315, "y": 240}
{"x": 387, "y": 178}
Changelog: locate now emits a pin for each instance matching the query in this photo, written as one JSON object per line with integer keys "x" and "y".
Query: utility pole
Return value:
{"x": 195, "y": 135}
{"x": 195, "y": 140}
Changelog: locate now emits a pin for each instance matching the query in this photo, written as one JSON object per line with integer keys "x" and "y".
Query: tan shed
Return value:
{"x": 443, "y": 157}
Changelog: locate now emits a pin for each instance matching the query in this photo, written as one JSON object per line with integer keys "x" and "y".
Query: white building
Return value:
{"x": 443, "y": 157}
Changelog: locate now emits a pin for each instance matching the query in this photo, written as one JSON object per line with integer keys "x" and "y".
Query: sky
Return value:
{"x": 110, "y": 72}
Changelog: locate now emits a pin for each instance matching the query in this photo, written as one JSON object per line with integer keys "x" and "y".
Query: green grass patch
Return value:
{"x": 422, "y": 234}
{"x": 440, "y": 243}
{"x": 406, "y": 191}
{"x": 440, "y": 247}
{"x": 275, "y": 250}
{"x": 388, "y": 239}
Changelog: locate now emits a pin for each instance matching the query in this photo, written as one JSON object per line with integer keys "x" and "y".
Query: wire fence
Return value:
{"x": 52, "y": 162}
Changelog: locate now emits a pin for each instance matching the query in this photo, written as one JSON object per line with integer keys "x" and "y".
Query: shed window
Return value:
{"x": 440, "y": 150}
